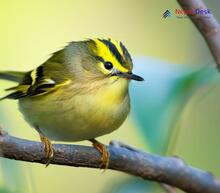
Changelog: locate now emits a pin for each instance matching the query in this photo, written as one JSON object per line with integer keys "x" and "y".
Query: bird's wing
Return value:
{"x": 38, "y": 82}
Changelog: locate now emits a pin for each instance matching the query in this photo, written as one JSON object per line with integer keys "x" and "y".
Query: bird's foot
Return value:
{"x": 48, "y": 148}
{"x": 103, "y": 151}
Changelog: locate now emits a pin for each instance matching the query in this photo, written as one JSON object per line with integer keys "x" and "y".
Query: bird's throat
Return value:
{"x": 113, "y": 94}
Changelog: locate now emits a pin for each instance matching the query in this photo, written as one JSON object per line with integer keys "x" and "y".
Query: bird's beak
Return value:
{"x": 130, "y": 75}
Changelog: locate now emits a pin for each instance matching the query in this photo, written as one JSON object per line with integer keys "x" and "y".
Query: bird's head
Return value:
{"x": 103, "y": 59}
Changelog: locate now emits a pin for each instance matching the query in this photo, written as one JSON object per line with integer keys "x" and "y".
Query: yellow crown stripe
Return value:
{"x": 103, "y": 51}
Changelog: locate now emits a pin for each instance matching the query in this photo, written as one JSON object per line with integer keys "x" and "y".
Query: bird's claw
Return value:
{"x": 48, "y": 148}
{"x": 104, "y": 153}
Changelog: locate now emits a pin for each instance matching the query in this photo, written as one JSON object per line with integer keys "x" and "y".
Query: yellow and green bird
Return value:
{"x": 79, "y": 93}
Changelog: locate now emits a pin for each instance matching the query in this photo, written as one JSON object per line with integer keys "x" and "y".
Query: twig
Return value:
{"x": 208, "y": 27}
{"x": 168, "y": 170}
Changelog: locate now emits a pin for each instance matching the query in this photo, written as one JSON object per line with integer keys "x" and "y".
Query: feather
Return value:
{"x": 33, "y": 83}
{"x": 12, "y": 75}
{"x": 14, "y": 95}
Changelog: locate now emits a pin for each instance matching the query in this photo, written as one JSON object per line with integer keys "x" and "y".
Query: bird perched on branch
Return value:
{"x": 79, "y": 93}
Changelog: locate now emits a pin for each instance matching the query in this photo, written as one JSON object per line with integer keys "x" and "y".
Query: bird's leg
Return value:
{"x": 103, "y": 151}
{"x": 48, "y": 147}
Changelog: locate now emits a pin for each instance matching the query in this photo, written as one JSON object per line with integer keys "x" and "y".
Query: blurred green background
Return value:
{"x": 175, "y": 111}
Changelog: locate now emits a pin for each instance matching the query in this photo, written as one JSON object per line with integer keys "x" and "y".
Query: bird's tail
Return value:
{"x": 12, "y": 75}
{"x": 15, "y": 77}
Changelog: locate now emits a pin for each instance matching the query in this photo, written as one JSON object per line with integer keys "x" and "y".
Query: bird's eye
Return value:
{"x": 108, "y": 65}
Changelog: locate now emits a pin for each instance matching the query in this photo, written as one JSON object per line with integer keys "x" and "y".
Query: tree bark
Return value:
{"x": 169, "y": 170}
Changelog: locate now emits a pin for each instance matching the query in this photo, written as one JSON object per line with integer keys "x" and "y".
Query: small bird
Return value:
{"x": 79, "y": 93}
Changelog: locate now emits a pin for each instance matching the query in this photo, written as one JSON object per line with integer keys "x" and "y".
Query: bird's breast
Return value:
{"x": 81, "y": 116}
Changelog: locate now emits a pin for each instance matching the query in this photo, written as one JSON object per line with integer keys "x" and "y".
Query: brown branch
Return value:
{"x": 208, "y": 26}
{"x": 168, "y": 170}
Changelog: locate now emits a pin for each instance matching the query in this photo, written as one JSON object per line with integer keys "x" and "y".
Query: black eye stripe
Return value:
{"x": 108, "y": 65}
{"x": 99, "y": 58}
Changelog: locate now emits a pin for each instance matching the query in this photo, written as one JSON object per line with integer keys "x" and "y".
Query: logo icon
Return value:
{"x": 167, "y": 14}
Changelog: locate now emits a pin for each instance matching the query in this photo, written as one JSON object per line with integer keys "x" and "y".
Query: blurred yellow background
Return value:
{"x": 32, "y": 30}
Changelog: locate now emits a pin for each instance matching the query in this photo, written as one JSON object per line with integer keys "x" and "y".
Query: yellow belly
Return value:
{"x": 79, "y": 117}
